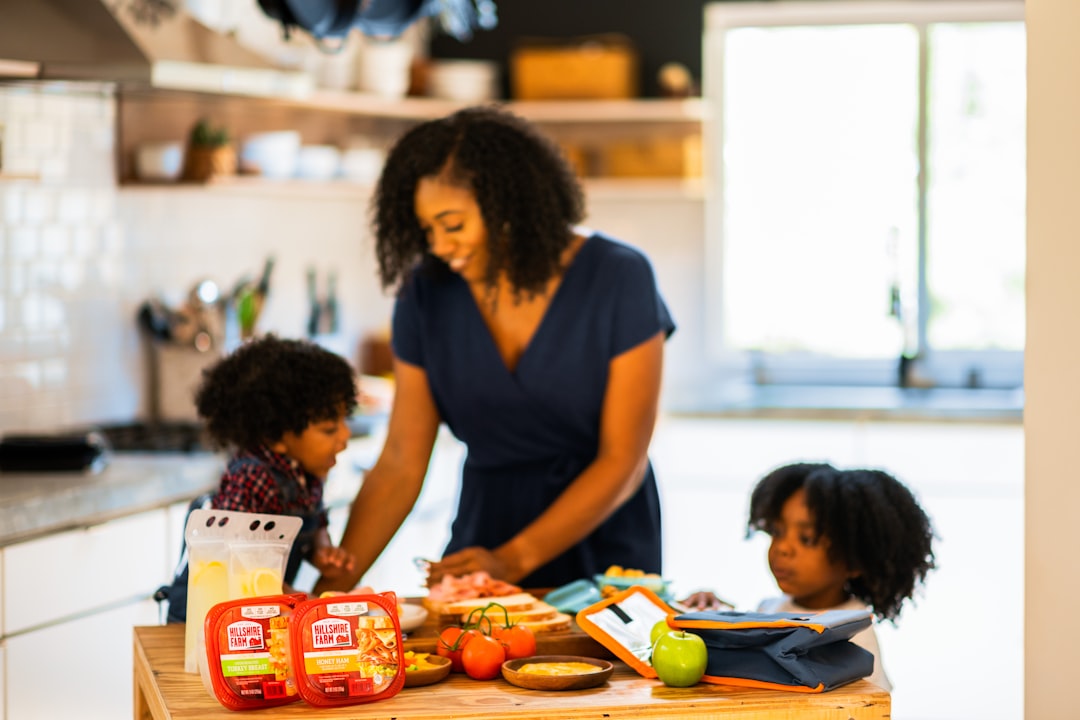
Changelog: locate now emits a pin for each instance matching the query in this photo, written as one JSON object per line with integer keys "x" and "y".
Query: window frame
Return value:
{"x": 988, "y": 368}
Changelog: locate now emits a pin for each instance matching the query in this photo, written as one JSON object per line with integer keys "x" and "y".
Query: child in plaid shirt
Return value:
{"x": 279, "y": 406}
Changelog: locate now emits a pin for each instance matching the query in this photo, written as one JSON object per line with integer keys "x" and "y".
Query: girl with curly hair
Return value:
{"x": 279, "y": 407}
{"x": 841, "y": 540}
{"x": 539, "y": 343}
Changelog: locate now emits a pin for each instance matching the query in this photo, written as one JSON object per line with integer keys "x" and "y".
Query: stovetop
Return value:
{"x": 156, "y": 436}
{"x": 190, "y": 436}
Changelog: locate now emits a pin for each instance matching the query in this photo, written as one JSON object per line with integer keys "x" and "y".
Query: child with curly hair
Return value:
{"x": 279, "y": 406}
{"x": 841, "y": 540}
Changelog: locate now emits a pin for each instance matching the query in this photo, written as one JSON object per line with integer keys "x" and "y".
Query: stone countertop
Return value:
{"x": 41, "y": 503}
{"x": 838, "y": 402}
{"x": 37, "y": 504}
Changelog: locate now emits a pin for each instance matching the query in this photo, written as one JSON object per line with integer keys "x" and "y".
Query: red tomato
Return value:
{"x": 452, "y": 641}
{"x": 483, "y": 658}
{"x": 518, "y": 640}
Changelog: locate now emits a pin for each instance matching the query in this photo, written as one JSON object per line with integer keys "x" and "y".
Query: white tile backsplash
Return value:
{"x": 78, "y": 255}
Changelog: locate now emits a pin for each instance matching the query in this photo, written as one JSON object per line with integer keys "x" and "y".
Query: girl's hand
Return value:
{"x": 333, "y": 562}
{"x": 705, "y": 600}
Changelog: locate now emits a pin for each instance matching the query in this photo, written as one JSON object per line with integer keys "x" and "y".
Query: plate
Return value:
{"x": 411, "y": 616}
{"x": 428, "y": 676}
{"x": 577, "y": 681}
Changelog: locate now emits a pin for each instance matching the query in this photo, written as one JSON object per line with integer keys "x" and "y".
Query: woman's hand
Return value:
{"x": 473, "y": 559}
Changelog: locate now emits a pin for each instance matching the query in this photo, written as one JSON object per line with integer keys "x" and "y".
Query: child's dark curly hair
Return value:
{"x": 873, "y": 524}
{"x": 271, "y": 386}
{"x": 528, "y": 195}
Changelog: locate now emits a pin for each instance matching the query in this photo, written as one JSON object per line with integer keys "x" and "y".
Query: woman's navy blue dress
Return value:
{"x": 530, "y": 432}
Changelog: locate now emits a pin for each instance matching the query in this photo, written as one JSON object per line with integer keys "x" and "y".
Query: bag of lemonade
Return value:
{"x": 231, "y": 555}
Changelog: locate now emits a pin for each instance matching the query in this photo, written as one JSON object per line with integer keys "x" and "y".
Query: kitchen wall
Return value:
{"x": 78, "y": 254}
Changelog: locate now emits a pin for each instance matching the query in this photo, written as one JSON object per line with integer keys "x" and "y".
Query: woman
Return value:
{"x": 540, "y": 347}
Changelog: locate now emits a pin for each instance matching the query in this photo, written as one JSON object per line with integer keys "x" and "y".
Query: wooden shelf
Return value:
{"x": 325, "y": 189}
{"x": 646, "y": 110}
{"x": 334, "y": 117}
{"x": 606, "y": 188}
{"x": 638, "y": 110}
{"x": 15, "y": 177}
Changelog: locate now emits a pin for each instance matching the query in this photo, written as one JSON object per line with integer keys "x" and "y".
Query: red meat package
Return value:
{"x": 346, "y": 649}
{"x": 247, "y": 652}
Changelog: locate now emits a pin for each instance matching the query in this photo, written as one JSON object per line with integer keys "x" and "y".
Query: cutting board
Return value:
{"x": 573, "y": 641}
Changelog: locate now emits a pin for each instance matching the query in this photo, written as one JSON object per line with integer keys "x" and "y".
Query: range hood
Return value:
{"x": 136, "y": 44}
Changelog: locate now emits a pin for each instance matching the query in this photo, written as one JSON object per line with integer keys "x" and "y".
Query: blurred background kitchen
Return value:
{"x": 834, "y": 302}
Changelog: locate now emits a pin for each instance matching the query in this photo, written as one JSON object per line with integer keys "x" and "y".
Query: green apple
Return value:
{"x": 679, "y": 658}
{"x": 658, "y": 629}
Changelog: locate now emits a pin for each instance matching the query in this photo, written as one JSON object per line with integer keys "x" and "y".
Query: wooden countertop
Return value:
{"x": 163, "y": 691}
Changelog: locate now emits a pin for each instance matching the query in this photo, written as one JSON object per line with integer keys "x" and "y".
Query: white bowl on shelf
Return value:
{"x": 469, "y": 81}
{"x": 162, "y": 161}
{"x": 318, "y": 162}
{"x": 271, "y": 154}
{"x": 362, "y": 164}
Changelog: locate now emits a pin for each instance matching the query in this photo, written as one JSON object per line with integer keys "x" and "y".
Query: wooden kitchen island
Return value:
{"x": 163, "y": 691}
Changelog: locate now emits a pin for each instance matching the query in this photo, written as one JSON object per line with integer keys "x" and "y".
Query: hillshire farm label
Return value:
{"x": 330, "y": 633}
{"x": 245, "y": 635}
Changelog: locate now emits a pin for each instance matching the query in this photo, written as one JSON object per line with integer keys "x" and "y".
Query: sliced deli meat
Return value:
{"x": 480, "y": 584}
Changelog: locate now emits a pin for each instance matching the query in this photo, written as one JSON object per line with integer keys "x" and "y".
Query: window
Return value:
{"x": 867, "y": 190}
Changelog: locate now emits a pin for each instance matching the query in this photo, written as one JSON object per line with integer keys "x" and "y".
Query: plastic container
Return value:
{"x": 231, "y": 555}
{"x": 575, "y": 596}
{"x": 248, "y": 662}
{"x": 655, "y": 583}
{"x": 346, "y": 649}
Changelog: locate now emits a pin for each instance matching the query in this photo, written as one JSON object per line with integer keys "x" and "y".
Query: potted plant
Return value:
{"x": 210, "y": 153}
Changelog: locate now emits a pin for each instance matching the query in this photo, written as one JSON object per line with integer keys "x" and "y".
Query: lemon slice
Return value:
{"x": 210, "y": 577}
{"x": 265, "y": 581}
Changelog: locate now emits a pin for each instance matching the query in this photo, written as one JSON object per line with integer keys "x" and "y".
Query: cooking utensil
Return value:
{"x": 250, "y": 297}
{"x": 331, "y": 305}
{"x": 313, "y": 302}
{"x": 155, "y": 319}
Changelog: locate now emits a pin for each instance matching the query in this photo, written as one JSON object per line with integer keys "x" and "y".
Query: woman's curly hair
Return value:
{"x": 527, "y": 192}
{"x": 871, "y": 520}
{"x": 270, "y": 386}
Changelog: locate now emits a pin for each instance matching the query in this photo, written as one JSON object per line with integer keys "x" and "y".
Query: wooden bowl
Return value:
{"x": 428, "y": 676}
{"x": 577, "y": 681}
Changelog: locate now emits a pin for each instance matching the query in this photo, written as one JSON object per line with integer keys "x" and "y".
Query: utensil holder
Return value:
{"x": 175, "y": 372}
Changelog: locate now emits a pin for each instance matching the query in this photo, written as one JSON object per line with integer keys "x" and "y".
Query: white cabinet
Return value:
{"x": 70, "y": 573}
{"x": 78, "y": 594}
{"x": 78, "y": 669}
{"x": 3, "y": 679}
{"x": 176, "y": 519}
